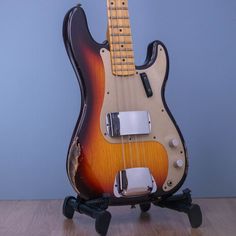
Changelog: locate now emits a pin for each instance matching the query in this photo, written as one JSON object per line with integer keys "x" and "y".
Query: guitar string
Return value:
{"x": 123, "y": 78}
{"x": 135, "y": 93}
{"x": 116, "y": 78}
{"x": 125, "y": 83}
{"x": 134, "y": 99}
{"x": 133, "y": 96}
{"x": 138, "y": 138}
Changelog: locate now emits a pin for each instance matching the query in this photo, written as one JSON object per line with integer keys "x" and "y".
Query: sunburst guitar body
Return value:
{"x": 126, "y": 145}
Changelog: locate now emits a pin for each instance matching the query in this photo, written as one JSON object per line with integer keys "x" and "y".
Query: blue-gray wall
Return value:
{"x": 40, "y": 99}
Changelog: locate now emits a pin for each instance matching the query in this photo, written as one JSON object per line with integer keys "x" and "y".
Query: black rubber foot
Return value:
{"x": 195, "y": 216}
{"x": 102, "y": 222}
{"x": 68, "y": 209}
{"x": 145, "y": 207}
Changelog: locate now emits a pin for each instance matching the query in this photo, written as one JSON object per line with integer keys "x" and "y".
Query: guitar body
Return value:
{"x": 95, "y": 158}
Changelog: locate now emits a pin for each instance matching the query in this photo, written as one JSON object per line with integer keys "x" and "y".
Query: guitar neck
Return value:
{"x": 120, "y": 38}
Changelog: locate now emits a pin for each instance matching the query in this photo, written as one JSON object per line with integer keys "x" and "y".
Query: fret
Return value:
{"x": 123, "y": 47}
{"x": 123, "y": 59}
{"x": 118, "y": 17}
{"x": 121, "y": 70}
{"x": 120, "y": 66}
{"x": 124, "y": 68}
{"x": 119, "y": 26}
{"x": 117, "y": 55}
{"x": 120, "y": 57}
{"x": 119, "y": 42}
{"x": 118, "y": 8}
{"x": 123, "y": 64}
{"x": 116, "y": 35}
{"x": 117, "y": 64}
{"x": 124, "y": 72}
{"x": 122, "y": 50}
{"x": 120, "y": 32}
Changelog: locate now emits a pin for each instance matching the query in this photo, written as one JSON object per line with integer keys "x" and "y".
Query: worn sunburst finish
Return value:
{"x": 93, "y": 161}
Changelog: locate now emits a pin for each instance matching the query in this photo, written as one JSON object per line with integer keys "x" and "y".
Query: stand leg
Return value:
{"x": 183, "y": 203}
{"x": 101, "y": 216}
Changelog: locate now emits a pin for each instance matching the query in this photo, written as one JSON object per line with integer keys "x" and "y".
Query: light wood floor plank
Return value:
{"x": 44, "y": 218}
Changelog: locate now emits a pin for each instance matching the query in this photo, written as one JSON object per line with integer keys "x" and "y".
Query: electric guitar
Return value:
{"x": 126, "y": 145}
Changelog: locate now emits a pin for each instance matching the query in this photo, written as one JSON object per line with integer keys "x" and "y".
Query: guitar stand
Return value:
{"x": 97, "y": 209}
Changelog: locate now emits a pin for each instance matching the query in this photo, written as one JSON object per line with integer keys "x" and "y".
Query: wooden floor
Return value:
{"x": 44, "y": 218}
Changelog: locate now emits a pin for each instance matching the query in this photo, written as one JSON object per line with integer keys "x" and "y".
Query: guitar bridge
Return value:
{"x": 134, "y": 182}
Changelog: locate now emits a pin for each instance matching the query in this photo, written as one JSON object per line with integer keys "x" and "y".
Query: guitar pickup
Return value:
{"x": 146, "y": 85}
{"x": 128, "y": 123}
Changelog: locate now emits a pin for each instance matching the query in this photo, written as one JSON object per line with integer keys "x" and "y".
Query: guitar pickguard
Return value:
{"x": 128, "y": 94}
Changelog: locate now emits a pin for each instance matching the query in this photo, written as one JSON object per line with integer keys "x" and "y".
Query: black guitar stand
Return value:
{"x": 97, "y": 209}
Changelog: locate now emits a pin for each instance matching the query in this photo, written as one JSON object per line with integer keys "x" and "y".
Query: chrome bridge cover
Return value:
{"x": 128, "y": 123}
{"x": 134, "y": 182}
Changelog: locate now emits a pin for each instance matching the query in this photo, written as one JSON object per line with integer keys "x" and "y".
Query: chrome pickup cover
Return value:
{"x": 128, "y": 123}
{"x": 134, "y": 182}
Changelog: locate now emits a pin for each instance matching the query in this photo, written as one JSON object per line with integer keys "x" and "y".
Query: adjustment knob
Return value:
{"x": 179, "y": 163}
{"x": 174, "y": 143}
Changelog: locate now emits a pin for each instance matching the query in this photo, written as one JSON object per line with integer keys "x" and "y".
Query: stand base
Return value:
{"x": 97, "y": 209}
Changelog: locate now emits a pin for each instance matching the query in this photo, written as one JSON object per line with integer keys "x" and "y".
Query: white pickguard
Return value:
{"x": 128, "y": 94}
